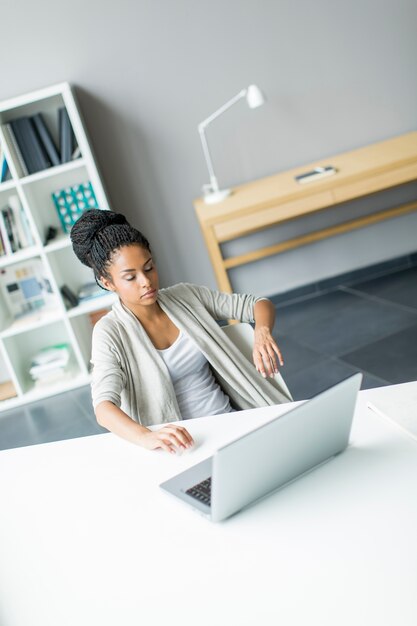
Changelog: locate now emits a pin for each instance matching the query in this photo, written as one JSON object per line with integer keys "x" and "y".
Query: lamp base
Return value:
{"x": 216, "y": 196}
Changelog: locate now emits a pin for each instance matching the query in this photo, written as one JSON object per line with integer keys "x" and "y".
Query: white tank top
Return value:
{"x": 196, "y": 389}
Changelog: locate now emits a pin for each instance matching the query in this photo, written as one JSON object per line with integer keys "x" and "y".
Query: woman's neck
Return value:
{"x": 146, "y": 315}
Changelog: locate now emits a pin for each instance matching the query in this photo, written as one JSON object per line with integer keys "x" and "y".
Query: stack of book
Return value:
{"x": 32, "y": 145}
{"x": 15, "y": 233}
{"x": 50, "y": 365}
{"x": 4, "y": 168}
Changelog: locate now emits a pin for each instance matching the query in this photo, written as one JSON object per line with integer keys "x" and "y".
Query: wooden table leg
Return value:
{"x": 217, "y": 260}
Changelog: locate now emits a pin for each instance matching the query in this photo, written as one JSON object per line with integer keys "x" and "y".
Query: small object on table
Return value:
{"x": 69, "y": 295}
{"x": 51, "y": 233}
{"x": 316, "y": 174}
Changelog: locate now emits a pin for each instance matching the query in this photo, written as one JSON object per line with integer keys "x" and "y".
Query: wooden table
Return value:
{"x": 277, "y": 199}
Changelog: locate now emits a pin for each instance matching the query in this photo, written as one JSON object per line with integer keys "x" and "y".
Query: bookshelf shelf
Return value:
{"x": 61, "y": 241}
{"x": 57, "y": 170}
{"x": 36, "y": 322}
{"x": 21, "y": 255}
{"x": 35, "y": 264}
{"x": 7, "y": 185}
{"x": 95, "y": 304}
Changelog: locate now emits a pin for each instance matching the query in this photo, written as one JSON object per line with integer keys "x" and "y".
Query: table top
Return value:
{"x": 87, "y": 537}
{"x": 364, "y": 170}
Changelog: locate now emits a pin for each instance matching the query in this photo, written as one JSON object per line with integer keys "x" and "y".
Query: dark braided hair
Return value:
{"x": 98, "y": 234}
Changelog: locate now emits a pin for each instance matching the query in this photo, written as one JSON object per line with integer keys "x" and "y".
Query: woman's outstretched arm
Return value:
{"x": 168, "y": 437}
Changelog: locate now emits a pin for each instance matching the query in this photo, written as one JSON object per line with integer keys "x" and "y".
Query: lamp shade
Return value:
{"x": 254, "y": 97}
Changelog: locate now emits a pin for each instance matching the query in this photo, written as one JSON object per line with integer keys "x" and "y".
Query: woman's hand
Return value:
{"x": 266, "y": 354}
{"x": 170, "y": 438}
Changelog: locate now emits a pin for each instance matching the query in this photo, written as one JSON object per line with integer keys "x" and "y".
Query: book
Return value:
{"x": 50, "y": 363}
{"x": 51, "y": 355}
{"x": 4, "y": 167}
{"x": 5, "y": 171}
{"x": 26, "y": 150}
{"x": 5, "y": 236}
{"x": 16, "y": 210}
{"x": 54, "y": 378}
{"x": 26, "y": 227}
{"x": 16, "y": 244}
{"x": 14, "y": 149}
{"x": 65, "y": 135}
{"x": 46, "y": 138}
{"x": 6, "y": 219}
{"x": 35, "y": 156}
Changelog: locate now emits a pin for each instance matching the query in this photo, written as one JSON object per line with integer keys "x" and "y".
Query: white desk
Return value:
{"x": 87, "y": 537}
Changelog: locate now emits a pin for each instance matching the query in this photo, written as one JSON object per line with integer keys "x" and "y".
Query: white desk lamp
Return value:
{"x": 254, "y": 98}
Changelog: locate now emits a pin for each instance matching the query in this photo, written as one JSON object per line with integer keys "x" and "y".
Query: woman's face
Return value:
{"x": 134, "y": 276}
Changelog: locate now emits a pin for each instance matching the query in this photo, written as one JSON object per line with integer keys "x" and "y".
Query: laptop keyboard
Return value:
{"x": 201, "y": 491}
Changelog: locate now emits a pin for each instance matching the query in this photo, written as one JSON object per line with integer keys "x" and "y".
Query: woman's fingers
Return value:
{"x": 176, "y": 436}
{"x": 267, "y": 358}
{"x": 278, "y": 353}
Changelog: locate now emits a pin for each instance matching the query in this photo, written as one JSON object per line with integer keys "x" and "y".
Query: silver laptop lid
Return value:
{"x": 272, "y": 455}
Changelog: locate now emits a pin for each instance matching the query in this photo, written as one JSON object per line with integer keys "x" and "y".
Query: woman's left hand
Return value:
{"x": 266, "y": 354}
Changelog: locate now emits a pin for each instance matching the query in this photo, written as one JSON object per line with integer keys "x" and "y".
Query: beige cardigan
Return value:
{"x": 128, "y": 371}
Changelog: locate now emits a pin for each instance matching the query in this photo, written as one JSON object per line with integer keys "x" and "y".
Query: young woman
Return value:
{"x": 159, "y": 355}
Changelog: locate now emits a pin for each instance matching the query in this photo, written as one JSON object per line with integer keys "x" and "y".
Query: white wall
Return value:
{"x": 338, "y": 75}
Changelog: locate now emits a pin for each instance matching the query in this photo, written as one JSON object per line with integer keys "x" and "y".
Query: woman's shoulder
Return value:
{"x": 106, "y": 325}
{"x": 181, "y": 290}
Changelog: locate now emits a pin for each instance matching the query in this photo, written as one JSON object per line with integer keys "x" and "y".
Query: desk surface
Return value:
{"x": 276, "y": 199}
{"x": 87, "y": 537}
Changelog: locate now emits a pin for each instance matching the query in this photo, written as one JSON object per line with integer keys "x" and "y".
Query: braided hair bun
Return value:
{"x": 96, "y": 236}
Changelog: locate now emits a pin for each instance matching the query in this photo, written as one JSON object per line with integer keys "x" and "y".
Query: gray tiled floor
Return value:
{"x": 368, "y": 326}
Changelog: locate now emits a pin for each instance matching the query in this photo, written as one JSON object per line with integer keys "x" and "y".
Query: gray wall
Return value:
{"x": 338, "y": 75}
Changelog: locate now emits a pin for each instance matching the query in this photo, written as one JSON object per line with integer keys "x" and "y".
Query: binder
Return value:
{"x": 14, "y": 149}
{"x": 30, "y": 146}
{"x": 65, "y": 135}
{"x": 45, "y": 138}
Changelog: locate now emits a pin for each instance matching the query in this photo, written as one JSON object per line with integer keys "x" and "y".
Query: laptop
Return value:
{"x": 270, "y": 456}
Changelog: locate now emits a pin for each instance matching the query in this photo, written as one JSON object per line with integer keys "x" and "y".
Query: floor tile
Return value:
{"x": 83, "y": 398}
{"x": 310, "y": 381}
{"x": 295, "y": 355}
{"x": 53, "y": 419}
{"x": 339, "y": 322}
{"x": 399, "y": 287}
{"x": 393, "y": 358}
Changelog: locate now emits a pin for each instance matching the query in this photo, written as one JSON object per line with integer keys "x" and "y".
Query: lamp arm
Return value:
{"x": 207, "y": 156}
{"x": 222, "y": 109}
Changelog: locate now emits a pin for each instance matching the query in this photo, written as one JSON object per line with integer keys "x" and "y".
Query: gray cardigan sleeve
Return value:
{"x": 223, "y": 306}
{"x": 108, "y": 379}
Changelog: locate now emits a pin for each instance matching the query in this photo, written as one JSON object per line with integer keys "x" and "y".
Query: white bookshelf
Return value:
{"x": 55, "y": 322}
